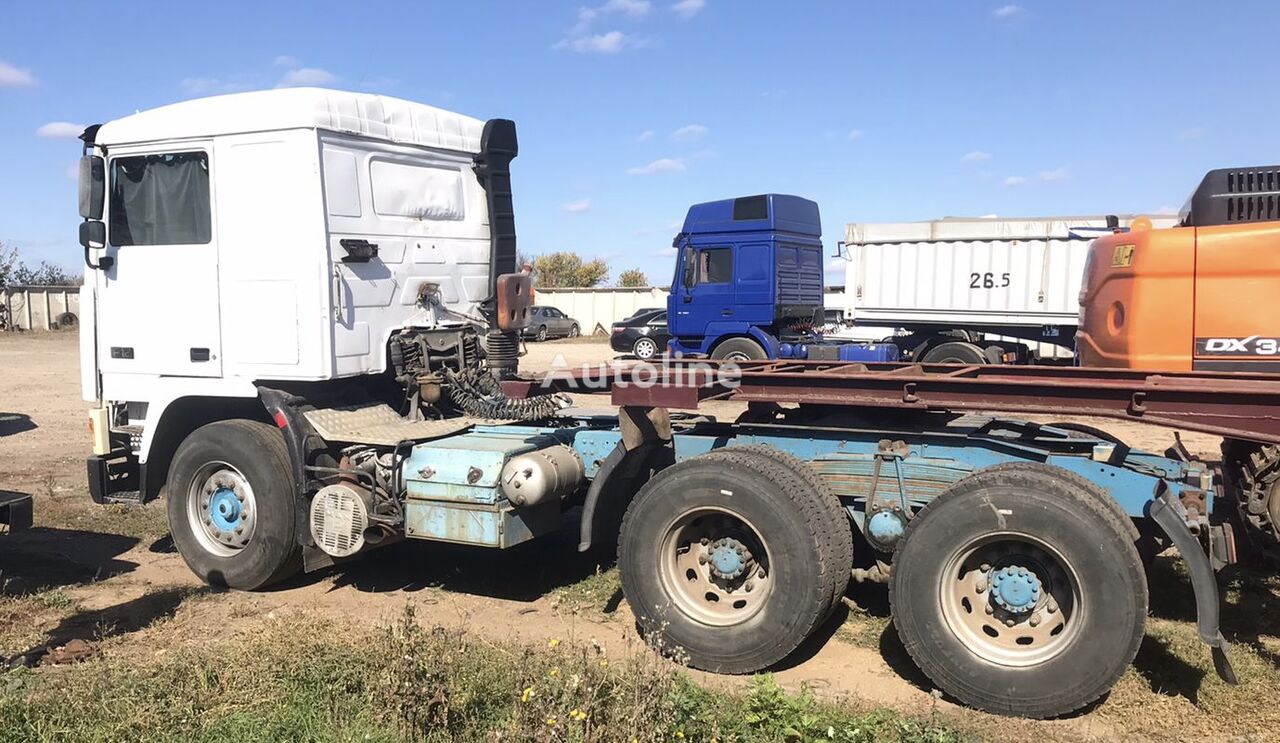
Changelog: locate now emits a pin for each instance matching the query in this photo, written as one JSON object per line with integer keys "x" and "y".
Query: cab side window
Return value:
{"x": 160, "y": 200}
{"x": 715, "y": 266}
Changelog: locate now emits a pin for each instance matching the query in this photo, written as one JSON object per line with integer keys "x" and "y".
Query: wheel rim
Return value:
{"x": 736, "y": 356}
{"x": 542, "y": 334}
{"x": 646, "y": 349}
{"x": 1012, "y": 599}
{"x": 573, "y": 332}
{"x": 715, "y": 567}
{"x": 221, "y": 509}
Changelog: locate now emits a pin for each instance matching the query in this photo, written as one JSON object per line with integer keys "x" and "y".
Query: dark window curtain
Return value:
{"x": 160, "y": 200}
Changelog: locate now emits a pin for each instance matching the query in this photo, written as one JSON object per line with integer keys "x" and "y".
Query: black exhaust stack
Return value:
{"x": 498, "y": 147}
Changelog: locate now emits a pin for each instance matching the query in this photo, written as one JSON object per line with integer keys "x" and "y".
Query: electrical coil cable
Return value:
{"x": 479, "y": 395}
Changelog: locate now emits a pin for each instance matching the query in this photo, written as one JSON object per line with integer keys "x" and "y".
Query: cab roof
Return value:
{"x": 772, "y": 212}
{"x": 359, "y": 114}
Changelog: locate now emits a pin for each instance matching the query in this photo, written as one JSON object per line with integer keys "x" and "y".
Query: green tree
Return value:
{"x": 10, "y": 264}
{"x": 565, "y": 269}
{"x": 45, "y": 274}
{"x": 633, "y": 277}
{"x": 14, "y": 272}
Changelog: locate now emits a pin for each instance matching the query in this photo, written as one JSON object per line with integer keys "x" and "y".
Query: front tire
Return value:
{"x": 232, "y": 505}
{"x": 542, "y": 333}
{"x": 1020, "y": 591}
{"x": 574, "y": 331}
{"x": 725, "y": 561}
{"x": 739, "y": 349}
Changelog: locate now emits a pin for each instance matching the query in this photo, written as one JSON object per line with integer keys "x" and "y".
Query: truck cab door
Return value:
{"x": 711, "y": 297}
{"x": 158, "y": 295}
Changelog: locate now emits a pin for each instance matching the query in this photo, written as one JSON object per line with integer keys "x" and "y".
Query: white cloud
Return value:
{"x": 1008, "y": 11}
{"x": 975, "y": 156}
{"x": 631, "y": 8}
{"x": 1195, "y": 132}
{"x": 689, "y": 133}
{"x": 645, "y": 135}
{"x": 1057, "y": 174}
{"x": 284, "y": 60}
{"x": 661, "y": 165}
{"x": 855, "y": 134}
{"x": 306, "y": 76}
{"x": 578, "y": 207}
{"x": 606, "y": 43}
{"x": 15, "y": 77}
{"x": 689, "y": 8}
{"x": 1015, "y": 180}
{"x": 580, "y": 39}
{"x": 60, "y": 130}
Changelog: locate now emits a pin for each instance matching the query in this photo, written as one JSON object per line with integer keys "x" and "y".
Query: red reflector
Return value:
{"x": 281, "y": 421}
{"x": 618, "y": 330}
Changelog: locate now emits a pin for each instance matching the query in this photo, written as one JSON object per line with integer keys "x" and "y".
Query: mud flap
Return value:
{"x": 1169, "y": 513}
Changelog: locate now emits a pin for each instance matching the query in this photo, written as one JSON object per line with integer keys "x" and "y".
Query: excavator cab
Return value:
{"x": 1202, "y": 296}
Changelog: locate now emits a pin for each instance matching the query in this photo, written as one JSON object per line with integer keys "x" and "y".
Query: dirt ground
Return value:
{"x": 111, "y": 576}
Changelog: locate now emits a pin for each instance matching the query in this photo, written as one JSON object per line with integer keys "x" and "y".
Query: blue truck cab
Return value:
{"x": 748, "y": 283}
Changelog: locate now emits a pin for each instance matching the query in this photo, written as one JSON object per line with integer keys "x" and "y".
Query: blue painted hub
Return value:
{"x": 1015, "y": 588}
{"x": 884, "y": 529}
{"x": 729, "y": 558}
{"x": 224, "y": 509}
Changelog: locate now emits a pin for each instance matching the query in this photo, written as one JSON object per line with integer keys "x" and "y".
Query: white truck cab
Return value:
{"x": 281, "y": 239}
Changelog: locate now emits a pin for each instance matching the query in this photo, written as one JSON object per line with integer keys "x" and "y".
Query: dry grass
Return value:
{"x": 304, "y": 678}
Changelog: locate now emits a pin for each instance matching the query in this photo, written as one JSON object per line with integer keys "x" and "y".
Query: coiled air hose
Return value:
{"x": 478, "y": 394}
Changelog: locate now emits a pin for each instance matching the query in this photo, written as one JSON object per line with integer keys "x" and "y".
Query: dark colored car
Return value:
{"x": 643, "y": 335}
{"x": 549, "y": 322}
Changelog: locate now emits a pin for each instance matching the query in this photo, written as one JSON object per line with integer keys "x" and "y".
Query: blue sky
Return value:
{"x": 629, "y": 111}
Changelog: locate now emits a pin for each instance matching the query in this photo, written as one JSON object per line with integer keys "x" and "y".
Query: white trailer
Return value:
{"x": 972, "y": 290}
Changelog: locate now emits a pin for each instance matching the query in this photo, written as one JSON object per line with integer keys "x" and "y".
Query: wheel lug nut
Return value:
{"x": 1035, "y": 620}
{"x": 982, "y": 586}
{"x": 1008, "y": 622}
{"x": 748, "y": 587}
{"x": 760, "y": 573}
{"x": 704, "y": 541}
{"x": 989, "y": 609}
{"x": 702, "y": 559}
{"x": 985, "y": 567}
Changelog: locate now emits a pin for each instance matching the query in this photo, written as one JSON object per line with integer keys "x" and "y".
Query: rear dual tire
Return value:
{"x": 1042, "y": 642}
{"x": 731, "y": 559}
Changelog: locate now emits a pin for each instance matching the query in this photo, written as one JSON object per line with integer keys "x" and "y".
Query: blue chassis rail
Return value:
{"x": 914, "y": 465}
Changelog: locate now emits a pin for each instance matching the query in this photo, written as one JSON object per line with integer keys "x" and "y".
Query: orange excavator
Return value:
{"x": 1202, "y": 296}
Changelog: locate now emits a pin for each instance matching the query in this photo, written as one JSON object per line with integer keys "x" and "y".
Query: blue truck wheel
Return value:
{"x": 723, "y": 561}
{"x": 1020, "y": 591}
